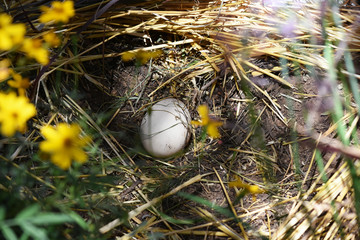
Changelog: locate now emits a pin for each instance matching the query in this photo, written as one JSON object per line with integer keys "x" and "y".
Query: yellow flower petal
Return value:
{"x": 34, "y": 49}
{"x": 58, "y": 12}
{"x": 19, "y": 82}
{"x": 204, "y": 114}
{"x": 16, "y": 32}
{"x": 212, "y": 130}
{"x": 52, "y": 39}
{"x": 48, "y": 132}
{"x": 61, "y": 160}
{"x": 10, "y": 34}
{"x": 79, "y": 155}
{"x": 196, "y": 123}
{"x": 5, "y": 41}
{"x": 4, "y": 69}
{"x": 5, "y": 20}
{"x": 210, "y": 124}
{"x": 8, "y": 128}
{"x": 128, "y": 56}
{"x": 253, "y": 189}
{"x": 15, "y": 111}
{"x": 64, "y": 143}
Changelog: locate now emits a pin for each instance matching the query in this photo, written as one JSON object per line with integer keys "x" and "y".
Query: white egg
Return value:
{"x": 165, "y": 128}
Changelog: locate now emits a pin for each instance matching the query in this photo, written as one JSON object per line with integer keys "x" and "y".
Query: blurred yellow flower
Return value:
{"x": 58, "y": 12}
{"x": 4, "y": 69}
{"x": 52, "y": 39}
{"x": 252, "y": 189}
{"x": 34, "y": 49}
{"x": 10, "y": 34}
{"x": 128, "y": 56}
{"x": 15, "y": 111}
{"x": 205, "y": 121}
{"x": 19, "y": 82}
{"x": 64, "y": 144}
{"x": 141, "y": 56}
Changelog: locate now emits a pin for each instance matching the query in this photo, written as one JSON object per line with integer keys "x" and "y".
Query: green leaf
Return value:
{"x": 8, "y": 232}
{"x": 79, "y": 220}
{"x": 25, "y": 236}
{"x": 356, "y": 186}
{"x": 51, "y": 218}
{"x": 28, "y": 212}
{"x": 224, "y": 211}
{"x": 176, "y": 221}
{"x": 320, "y": 165}
{"x": 35, "y": 232}
{"x": 2, "y": 213}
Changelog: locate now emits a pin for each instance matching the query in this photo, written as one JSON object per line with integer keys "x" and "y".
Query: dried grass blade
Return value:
{"x": 230, "y": 203}
{"x": 279, "y": 79}
{"x": 221, "y": 226}
{"x": 71, "y": 104}
{"x": 106, "y": 228}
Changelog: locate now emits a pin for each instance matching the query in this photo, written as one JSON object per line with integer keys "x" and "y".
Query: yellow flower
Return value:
{"x": 144, "y": 56}
{"x": 252, "y": 189}
{"x": 4, "y": 69}
{"x": 128, "y": 56}
{"x": 58, "y": 12}
{"x": 141, "y": 56}
{"x": 34, "y": 49}
{"x": 52, "y": 39}
{"x": 19, "y": 82}
{"x": 64, "y": 144}
{"x": 210, "y": 124}
{"x": 15, "y": 111}
{"x": 10, "y": 34}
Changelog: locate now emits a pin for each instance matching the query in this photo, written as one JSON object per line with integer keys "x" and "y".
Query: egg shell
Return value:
{"x": 165, "y": 128}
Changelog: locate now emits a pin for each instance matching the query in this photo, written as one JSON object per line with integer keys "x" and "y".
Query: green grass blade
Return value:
{"x": 8, "y": 232}
{"x": 222, "y": 210}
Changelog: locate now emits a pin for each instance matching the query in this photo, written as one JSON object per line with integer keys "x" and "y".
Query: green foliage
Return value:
{"x": 224, "y": 211}
{"x": 39, "y": 207}
{"x": 338, "y": 112}
{"x": 33, "y": 222}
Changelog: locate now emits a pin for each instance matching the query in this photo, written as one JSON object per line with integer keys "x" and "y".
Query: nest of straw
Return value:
{"x": 232, "y": 40}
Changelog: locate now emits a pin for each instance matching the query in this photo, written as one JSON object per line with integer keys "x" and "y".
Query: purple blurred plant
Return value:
{"x": 288, "y": 28}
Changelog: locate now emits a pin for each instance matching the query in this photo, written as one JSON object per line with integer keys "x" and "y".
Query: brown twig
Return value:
{"x": 330, "y": 144}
